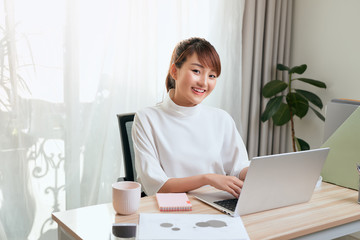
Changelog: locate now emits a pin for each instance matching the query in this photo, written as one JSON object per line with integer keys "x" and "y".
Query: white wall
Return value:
{"x": 326, "y": 37}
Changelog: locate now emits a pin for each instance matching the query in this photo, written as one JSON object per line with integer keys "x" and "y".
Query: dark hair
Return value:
{"x": 206, "y": 53}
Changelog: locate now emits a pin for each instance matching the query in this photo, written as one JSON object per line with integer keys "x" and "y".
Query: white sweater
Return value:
{"x": 172, "y": 141}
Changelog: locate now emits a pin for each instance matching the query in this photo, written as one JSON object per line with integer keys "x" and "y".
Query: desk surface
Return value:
{"x": 329, "y": 207}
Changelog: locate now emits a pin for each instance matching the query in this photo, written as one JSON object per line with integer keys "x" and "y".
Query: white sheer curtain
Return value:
{"x": 67, "y": 69}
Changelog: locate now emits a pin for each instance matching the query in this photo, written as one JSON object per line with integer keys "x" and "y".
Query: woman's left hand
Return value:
{"x": 230, "y": 184}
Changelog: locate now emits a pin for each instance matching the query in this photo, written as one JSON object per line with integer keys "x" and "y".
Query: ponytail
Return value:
{"x": 170, "y": 82}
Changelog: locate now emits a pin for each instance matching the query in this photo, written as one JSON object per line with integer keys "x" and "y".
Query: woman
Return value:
{"x": 180, "y": 144}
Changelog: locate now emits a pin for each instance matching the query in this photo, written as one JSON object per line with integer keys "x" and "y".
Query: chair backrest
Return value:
{"x": 125, "y": 125}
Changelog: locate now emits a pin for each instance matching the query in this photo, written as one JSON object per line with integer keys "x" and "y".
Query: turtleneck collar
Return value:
{"x": 177, "y": 110}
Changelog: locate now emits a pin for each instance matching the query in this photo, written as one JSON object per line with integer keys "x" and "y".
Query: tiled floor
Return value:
{"x": 348, "y": 237}
{"x": 355, "y": 236}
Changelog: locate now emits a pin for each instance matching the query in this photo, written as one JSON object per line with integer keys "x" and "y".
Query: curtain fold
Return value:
{"x": 266, "y": 42}
{"x": 227, "y": 93}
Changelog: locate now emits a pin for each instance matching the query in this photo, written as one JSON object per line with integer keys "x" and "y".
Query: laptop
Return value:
{"x": 272, "y": 181}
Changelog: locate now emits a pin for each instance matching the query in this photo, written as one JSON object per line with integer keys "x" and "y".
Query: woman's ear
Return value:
{"x": 173, "y": 71}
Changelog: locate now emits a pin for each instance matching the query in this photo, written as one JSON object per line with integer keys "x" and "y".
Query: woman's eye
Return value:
{"x": 196, "y": 71}
{"x": 212, "y": 76}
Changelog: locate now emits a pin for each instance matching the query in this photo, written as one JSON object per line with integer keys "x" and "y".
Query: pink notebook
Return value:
{"x": 173, "y": 202}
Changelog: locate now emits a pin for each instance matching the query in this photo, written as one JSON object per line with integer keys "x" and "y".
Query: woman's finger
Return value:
{"x": 237, "y": 181}
{"x": 232, "y": 192}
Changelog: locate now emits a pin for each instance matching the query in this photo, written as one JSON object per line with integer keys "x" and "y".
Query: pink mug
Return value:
{"x": 126, "y": 197}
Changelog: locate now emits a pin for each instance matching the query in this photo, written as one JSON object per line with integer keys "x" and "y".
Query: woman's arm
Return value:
{"x": 149, "y": 171}
{"x": 230, "y": 184}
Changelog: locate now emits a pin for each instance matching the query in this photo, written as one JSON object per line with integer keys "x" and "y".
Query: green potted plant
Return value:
{"x": 286, "y": 102}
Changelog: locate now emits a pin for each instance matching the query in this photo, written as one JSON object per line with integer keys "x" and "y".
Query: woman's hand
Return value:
{"x": 230, "y": 184}
{"x": 243, "y": 173}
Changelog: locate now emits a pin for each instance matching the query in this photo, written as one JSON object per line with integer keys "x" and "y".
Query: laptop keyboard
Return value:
{"x": 228, "y": 203}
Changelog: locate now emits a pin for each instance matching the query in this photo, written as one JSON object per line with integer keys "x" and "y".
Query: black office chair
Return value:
{"x": 125, "y": 125}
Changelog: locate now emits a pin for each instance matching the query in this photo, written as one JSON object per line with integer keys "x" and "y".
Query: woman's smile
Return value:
{"x": 198, "y": 91}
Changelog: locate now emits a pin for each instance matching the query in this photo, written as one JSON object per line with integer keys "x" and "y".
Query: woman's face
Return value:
{"x": 193, "y": 82}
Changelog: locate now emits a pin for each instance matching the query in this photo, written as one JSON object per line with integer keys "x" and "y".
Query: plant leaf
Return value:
{"x": 318, "y": 114}
{"x": 282, "y": 67}
{"x": 298, "y": 147}
{"x": 303, "y": 145}
{"x": 282, "y": 116}
{"x": 298, "y": 103}
{"x": 313, "y": 98}
{"x": 298, "y": 69}
{"x": 316, "y": 83}
{"x": 271, "y": 108}
{"x": 273, "y": 87}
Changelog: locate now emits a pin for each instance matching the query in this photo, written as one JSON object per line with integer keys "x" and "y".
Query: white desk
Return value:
{"x": 332, "y": 212}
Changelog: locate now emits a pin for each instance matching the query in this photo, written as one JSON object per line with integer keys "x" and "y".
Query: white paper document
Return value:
{"x": 190, "y": 226}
